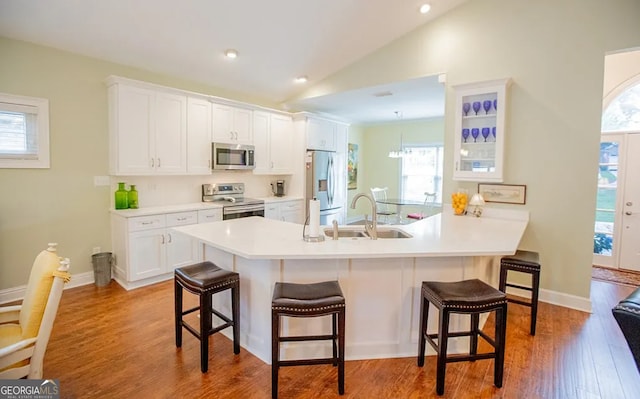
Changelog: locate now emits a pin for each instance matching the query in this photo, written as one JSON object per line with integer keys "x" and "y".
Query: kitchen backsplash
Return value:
{"x": 175, "y": 190}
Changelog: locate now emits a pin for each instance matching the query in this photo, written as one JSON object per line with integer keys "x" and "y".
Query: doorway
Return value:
{"x": 617, "y": 223}
{"x": 617, "y": 226}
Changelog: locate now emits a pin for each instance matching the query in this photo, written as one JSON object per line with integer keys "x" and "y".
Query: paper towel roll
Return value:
{"x": 314, "y": 218}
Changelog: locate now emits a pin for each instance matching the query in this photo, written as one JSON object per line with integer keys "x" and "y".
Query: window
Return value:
{"x": 422, "y": 171}
{"x": 623, "y": 113}
{"x": 24, "y": 132}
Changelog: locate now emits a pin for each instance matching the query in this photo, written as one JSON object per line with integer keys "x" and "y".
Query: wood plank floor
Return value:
{"x": 108, "y": 342}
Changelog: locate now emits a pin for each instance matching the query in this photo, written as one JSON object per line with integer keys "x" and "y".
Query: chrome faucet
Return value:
{"x": 370, "y": 227}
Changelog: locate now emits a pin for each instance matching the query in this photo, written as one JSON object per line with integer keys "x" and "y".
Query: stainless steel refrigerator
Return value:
{"x": 326, "y": 182}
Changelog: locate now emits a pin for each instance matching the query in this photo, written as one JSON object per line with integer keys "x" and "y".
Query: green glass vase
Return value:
{"x": 133, "y": 197}
{"x": 122, "y": 197}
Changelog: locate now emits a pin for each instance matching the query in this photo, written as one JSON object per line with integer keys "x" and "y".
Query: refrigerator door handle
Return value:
{"x": 330, "y": 179}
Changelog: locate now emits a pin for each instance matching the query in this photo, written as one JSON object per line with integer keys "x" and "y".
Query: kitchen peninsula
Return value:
{"x": 380, "y": 279}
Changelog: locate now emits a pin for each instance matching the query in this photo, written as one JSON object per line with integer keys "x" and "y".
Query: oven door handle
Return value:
{"x": 242, "y": 209}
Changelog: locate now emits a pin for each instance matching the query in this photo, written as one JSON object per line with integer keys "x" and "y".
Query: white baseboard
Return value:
{"x": 17, "y": 293}
{"x": 556, "y": 298}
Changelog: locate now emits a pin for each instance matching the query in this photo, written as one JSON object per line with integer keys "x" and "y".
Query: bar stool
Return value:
{"x": 205, "y": 279}
{"x": 471, "y": 297}
{"x": 523, "y": 262}
{"x": 307, "y": 300}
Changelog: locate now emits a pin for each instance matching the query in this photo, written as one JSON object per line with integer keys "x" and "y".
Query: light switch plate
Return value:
{"x": 101, "y": 181}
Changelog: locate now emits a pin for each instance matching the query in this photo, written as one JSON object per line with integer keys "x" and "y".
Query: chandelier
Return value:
{"x": 402, "y": 152}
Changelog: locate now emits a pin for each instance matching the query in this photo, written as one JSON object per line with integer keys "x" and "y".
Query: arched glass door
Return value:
{"x": 617, "y": 228}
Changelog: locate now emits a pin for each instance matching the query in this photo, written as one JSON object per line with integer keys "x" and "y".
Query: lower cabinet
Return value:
{"x": 147, "y": 251}
{"x": 287, "y": 211}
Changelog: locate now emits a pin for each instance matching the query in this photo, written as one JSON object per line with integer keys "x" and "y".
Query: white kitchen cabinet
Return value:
{"x": 321, "y": 134}
{"x": 480, "y": 131}
{"x": 147, "y": 251}
{"x": 210, "y": 215}
{"x": 286, "y": 211}
{"x": 147, "y": 129}
{"x": 199, "y": 136}
{"x": 232, "y": 125}
{"x": 274, "y": 143}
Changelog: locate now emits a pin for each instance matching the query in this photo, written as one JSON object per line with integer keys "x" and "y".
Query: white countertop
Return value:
{"x": 196, "y": 206}
{"x": 440, "y": 235}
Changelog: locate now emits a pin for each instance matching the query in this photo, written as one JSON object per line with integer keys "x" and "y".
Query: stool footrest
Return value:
{"x": 522, "y": 287}
{"x": 520, "y": 302}
{"x": 306, "y": 362}
{"x": 465, "y": 358}
{"x": 308, "y": 338}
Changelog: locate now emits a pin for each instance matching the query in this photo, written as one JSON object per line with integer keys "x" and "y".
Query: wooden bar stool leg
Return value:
{"x": 500, "y": 339}
{"x": 205, "y": 328}
{"x": 178, "y": 312}
{"x": 235, "y": 310}
{"x": 503, "y": 278}
{"x": 534, "y": 301}
{"x": 422, "y": 341}
{"x": 473, "y": 338}
{"x": 341, "y": 346}
{"x": 334, "y": 342}
{"x": 275, "y": 353}
{"x": 443, "y": 338}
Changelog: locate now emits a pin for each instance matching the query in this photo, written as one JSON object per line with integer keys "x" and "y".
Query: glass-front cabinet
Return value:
{"x": 480, "y": 130}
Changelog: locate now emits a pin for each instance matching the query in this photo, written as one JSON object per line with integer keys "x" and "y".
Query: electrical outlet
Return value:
{"x": 96, "y": 250}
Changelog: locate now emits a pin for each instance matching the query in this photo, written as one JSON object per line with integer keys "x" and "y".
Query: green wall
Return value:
{"x": 61, "y": 204}
{"x": 554, "y": 52}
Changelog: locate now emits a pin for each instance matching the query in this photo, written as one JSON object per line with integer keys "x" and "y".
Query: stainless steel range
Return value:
{"x": 234, "y": 204}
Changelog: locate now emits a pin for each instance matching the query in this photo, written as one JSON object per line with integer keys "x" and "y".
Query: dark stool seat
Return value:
{"x": 523, "y": 262}
{"x": 308, "y": 300}
{"x": 471, "y": 297}
{"x": 205, "y": 279}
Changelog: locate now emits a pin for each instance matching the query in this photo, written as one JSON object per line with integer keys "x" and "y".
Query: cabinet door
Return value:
{"x": 223, "y": 124}
{"x": 281, "y": 144}
{"x": 261, "y": 140}
{"x": 480, "y": 131}
{"x": 132, "y": 130}
{"x": 146, "y": 254}
{"x": 272, "y": 211}
{"x": 198, "y": 136}
{"x": 210, "y": 215}
{"x": 242, "y": 126}
{"x": 171, "y": 133}
{"x": 321, "y": 134}
{"x": 181, "y": 250}
{"x": 292, "y": 211}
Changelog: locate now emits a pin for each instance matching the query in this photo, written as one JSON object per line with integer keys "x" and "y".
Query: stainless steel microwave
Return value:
{"x": 232, "y": 156}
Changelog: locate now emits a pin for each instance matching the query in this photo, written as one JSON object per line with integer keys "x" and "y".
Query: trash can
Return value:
{"x": 102, "y": 268}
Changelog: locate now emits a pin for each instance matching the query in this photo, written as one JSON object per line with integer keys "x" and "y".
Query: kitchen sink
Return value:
{"x": 354, "y": 233}
{"x": 345, "y": 233}
{"x": 393, "y": 233}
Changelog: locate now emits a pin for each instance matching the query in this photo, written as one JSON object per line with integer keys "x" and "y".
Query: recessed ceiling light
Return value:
{"x": 302, "y": 79}
{"x": 231, "y": 53}
{"x": 425, "y": 8}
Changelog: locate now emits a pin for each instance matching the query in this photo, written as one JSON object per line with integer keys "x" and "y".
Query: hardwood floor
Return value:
{"x": 108, "y": 342}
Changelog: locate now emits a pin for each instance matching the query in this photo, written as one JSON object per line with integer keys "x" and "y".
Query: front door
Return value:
{"x": 617, "y": 226}
{"x": 630, "y": 206}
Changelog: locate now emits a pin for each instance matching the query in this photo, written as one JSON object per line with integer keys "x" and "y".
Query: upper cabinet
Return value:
{"x": 232, "y": 125}
{"x": 321, "y": 134}
{"x": 199, "y": 136}
{"x": 147, "y": 129}
{"x": 274, "y": 142}
{"x": 480, "y": 131}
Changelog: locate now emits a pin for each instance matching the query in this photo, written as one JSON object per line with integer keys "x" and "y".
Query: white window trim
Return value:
{"x": 42, "y": 125}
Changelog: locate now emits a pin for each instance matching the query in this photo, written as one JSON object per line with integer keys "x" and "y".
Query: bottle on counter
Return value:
{"x": 133, "y": 197}
{"x": 122, "y": 197}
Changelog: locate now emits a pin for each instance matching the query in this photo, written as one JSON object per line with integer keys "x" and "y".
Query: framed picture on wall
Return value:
{"x": 352, "y": 167}
{"x": 504, "y": 193}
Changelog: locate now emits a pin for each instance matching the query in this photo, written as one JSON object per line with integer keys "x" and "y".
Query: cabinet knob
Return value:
{"x": 629, "y": 203}
{"x": 628, "y": 213}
